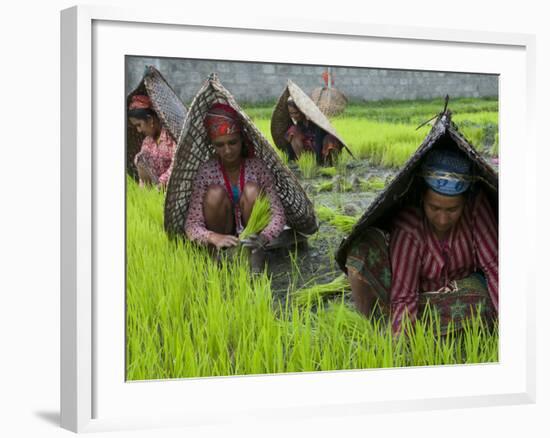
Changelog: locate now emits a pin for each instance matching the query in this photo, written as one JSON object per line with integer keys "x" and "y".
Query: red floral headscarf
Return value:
{"x": 221, "y": 119}
{"x": 140, "y": 101}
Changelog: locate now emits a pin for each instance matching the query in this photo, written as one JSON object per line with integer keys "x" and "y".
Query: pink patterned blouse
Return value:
{"x": 208, "y": 174}
{"x": 158, "y": 156}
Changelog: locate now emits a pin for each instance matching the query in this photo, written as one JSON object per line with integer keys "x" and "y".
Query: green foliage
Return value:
{"x": 259, "y": 218}
{"x": 385, "y": 132}
{"x": 311, "y": 295}
{"x": 307, "y": 164}
{"x": 325, "y": 213}
{"x": 373, "y": 183}
{"x": 342, "y": 222}
{"x": 383, "y": 143}
{"x": 475, "y": 135}
{"x": 327, "y": 171}
{"x": 340, "y": 185}
{"x": 191, "y": 315}
{"x": 325, "y": 186}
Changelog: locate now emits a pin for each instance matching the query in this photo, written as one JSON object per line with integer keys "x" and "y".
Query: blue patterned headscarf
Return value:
{"x": 447, "y": 172}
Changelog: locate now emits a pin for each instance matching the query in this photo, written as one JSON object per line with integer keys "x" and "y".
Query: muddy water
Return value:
{"x": 314, "y": 262}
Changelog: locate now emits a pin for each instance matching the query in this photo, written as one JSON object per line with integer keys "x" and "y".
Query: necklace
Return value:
{"x": 229, "y": 190}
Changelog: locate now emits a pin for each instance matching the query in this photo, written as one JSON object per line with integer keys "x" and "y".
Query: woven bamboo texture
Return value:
{"x": 330, "y": 101}
{"x": 166, "y": 104}
{"x": 281, "y": 121}
{"x": 194, "y": 149}
{"x": 386, "y": 204}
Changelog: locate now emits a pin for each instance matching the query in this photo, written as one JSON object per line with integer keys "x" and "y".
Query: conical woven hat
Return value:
{"x": 194, "y": 148}
{"x": 330, "y": 101}
{"x": 166, "y": 104}
{"x": 281, "y": 121}
{"x": 389, "y": 201}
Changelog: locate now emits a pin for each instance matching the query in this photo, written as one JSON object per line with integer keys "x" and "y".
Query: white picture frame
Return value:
{"x": 94, "y": 396}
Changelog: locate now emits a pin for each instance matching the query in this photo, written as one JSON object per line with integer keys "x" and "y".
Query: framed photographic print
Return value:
{"x": 173, "y": 316}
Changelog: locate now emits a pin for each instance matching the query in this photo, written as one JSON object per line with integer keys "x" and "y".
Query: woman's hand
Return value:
{"x": 254, "y": 241}
{"x": 222, "y": 240}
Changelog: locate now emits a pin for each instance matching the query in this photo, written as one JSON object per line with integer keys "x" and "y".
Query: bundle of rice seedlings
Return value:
{"x": 325, "y": 187}
{"x": 282, "y": 155}
{"x": 372, "y": 184}
{"x": 325, "y": 213}
{"x": 343, "y": 223}
{"x": 307, "y": 164}
{"x": 344, "y": 186}
{"x": 259, "y": 218}
{"x": 327, "y": 171}
{"x": 311, "y": 295}
{"x": 342, "y": 161}
{"x": 340, "y": 184}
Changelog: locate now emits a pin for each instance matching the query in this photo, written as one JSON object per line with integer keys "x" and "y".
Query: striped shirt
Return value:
{"x": 421, "y": 263}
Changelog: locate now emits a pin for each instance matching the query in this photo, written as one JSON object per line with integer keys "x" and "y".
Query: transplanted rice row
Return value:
{"x": 190, "y": 315}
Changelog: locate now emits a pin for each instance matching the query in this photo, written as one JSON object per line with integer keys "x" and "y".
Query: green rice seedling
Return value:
{"x": 331, "y": 250}
{"x": 416, "y": 111}
{"x": 374, "y": 183}
{"x": 259, "y": 111}
{"x": 474, "y": 332}
{"x": 307, "y": 163}
{"x": 340, "y": 184}
{"x": 264, "y": 126}
{"x": 421, "y": 338}
{"x": 325, "y": 186}
{"x": 341, "y": 162}
{"x": 325, "y": 213}
{"x": 295, "y": 272}
{"x": 259, "y": 217}
{"x": 307, "y": 296}
{"x": 192, "y": 315}
{"x": 327, "y": 171}
{"x": 373, "y": 130}
{"x": 372, "y": 139}
{"x": 397, "y": 153}
{"x": 283, "y": 156}
{"x": 343, "y": 222}
{"x": 475, "y": 135}
{"x": 476, "y": 118}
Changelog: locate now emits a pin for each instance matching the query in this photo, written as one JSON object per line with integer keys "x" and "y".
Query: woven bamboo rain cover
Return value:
{"x": 194, "y": 148}
{"x": 166, "y": 104}
{"x": 378, "y": 212}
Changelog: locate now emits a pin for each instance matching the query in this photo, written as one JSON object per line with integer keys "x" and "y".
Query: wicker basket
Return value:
{"x": 395, "y": 196}
{"x": 330, "y": 101}
{"x": 166, "y": 104}
{"x": 281, "y": 121}
{"x": 194, "y": 149}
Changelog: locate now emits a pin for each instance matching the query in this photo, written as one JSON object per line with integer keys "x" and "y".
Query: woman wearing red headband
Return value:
{"x": 226, "y": 187}
{"x": 154, "y": 161}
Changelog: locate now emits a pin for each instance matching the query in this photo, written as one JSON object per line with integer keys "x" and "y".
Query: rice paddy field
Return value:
{"x": 193, "y": 315}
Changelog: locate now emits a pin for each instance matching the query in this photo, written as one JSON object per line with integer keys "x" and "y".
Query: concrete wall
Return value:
{"x": 258, "y": 82}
